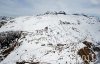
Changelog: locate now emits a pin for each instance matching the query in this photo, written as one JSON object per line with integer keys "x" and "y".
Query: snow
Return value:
{"x": 36, "y": 44}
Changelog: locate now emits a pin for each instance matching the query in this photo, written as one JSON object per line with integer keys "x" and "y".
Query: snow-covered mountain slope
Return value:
{"x": 52, "y": 39}
{"x": 4, "y": 19}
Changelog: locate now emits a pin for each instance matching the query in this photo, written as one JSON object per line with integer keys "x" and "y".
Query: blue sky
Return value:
{"x": 33, "y": 7}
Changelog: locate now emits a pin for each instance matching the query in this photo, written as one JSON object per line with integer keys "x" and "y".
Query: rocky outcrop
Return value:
{"x": 2, "y": 23}
{"x": 24, "y": 62}
{"x": 88, "y": 53}
{"x": 8, "y": 41}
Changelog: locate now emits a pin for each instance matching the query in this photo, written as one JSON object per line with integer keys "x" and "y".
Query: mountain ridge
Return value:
{"x": 51, "y": 38}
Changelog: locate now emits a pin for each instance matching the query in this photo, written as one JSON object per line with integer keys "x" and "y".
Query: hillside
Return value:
{"x": 51, "y": 38}
{"x": 4, "y": 19}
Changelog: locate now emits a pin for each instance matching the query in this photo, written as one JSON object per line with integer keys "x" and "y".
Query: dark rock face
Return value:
{"x": 24, "y": 62}
{"x": 55, "y": 13}
{"x": 96, "y": 49}
{"x": 2, "y": 23}
{"x": 6, "y": 38}
{"x": 6, "y": 18}
{"x": 8, "y": 41}
{"x": 88, "y": 44}
{"x": 88, "y": 53}
{"x": 61, "y": 12}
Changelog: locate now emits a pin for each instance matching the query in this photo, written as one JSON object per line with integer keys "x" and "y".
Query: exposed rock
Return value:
{"x": 88, "y": 44}
{"x": 86, "y": 53}
{"x": 96, "y": 49}
{"x": 24, "y": 62}
{"x": 2, "y": 23}
{"x": 5, "y": 18}
{"x": 6, "y": 38}
{"x": 8, "y": 41}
